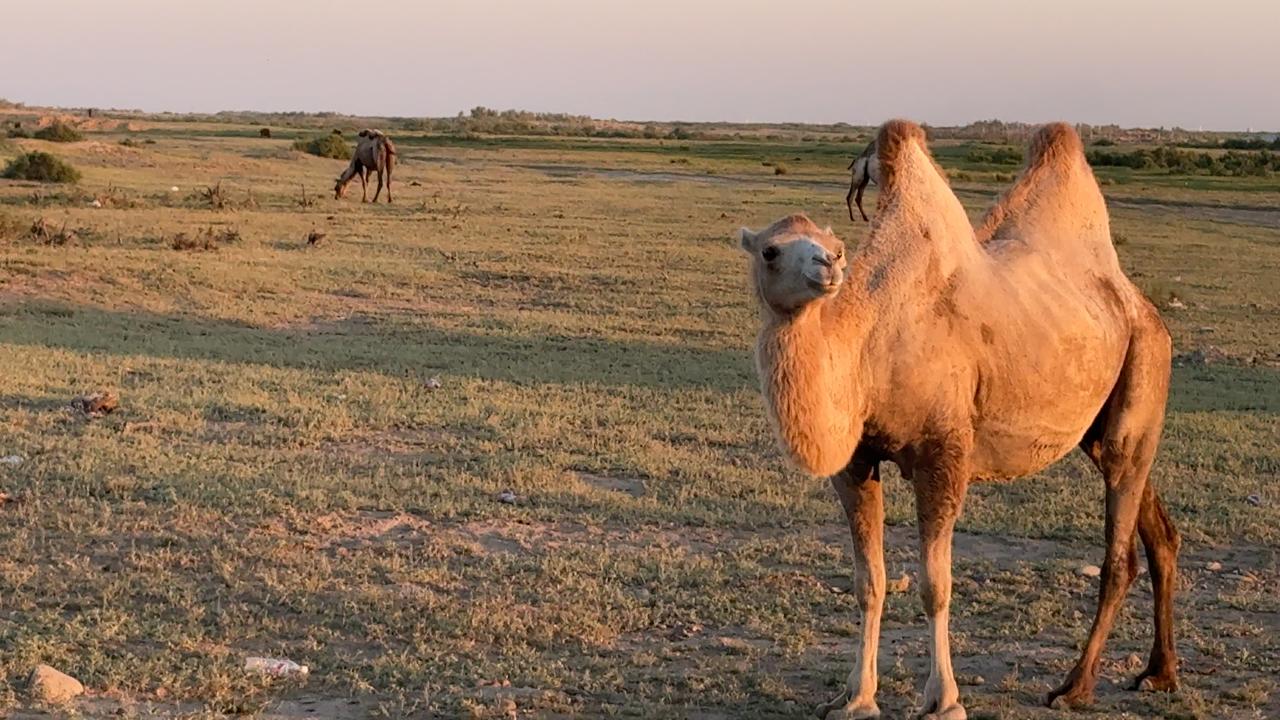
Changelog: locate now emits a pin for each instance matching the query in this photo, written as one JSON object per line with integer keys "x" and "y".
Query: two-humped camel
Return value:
{"x": 961, "y": 357}
{"x": 374, "y": 153}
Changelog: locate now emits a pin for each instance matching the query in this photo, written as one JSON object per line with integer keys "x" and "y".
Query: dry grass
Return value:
{"x": 284, "y": 478}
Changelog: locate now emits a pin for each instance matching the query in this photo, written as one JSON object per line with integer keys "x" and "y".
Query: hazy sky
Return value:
{"x": 1133, "y": 62}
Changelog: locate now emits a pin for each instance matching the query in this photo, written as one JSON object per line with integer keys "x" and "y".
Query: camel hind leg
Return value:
{"x": 1122, "y": 443}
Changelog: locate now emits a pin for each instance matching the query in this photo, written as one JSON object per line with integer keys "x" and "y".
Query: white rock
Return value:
{"x": 433, "y": 383}
{"x": 11, "y": 460}
{"x": 277, "y": 667}
{"x": 51, "y": 686}
{"x": 1213, "y": 566}
{"x": 1090, "y": 571}
{"x": 173, "y": 189}
{"x": 508, "y": 497}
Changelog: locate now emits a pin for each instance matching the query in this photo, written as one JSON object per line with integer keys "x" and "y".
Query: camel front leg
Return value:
{"x": 862, "y": 496}
{"x": 378, "y": 192}
{"x": 364, "y": 185}
{"x": 939, "y": 498}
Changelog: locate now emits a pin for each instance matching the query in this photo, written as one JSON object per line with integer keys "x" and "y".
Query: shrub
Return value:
{"x": 130, "y": 142}
{"x": 41, "y": 167}
{"x": 59, "y": 132}
{"x": 1103, "y": 142}
{"x": 994, "y": 156}
{"x": 264, "y": 132}
{"x": 325, "y": 146}
{"x": 18, "y": 132}
{"x": 779, "y": 169}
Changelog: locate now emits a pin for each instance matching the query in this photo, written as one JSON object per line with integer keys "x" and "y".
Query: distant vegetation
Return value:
{"x": 326, "y": 146}
{"x": 59, "y": 132}
{"x": 1233, "y": 162}
{"x": 41, "y": 167}
{"x": 995, "y": 156}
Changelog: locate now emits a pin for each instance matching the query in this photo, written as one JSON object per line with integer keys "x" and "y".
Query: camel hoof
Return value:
{"x": 1155, "y": 682}
{"x": 842, "y": 708}
{"x": 1069, "y": 700}
{"x": 955, "y": 712}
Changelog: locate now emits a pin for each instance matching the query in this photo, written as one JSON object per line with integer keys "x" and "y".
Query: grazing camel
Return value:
{"x": 374, "y": 153}
{"x": 964, "y": 357}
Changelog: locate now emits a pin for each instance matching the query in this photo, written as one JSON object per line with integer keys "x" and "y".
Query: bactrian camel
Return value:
{"x": 964, "y": 357}
{"x": 374, "y": 153}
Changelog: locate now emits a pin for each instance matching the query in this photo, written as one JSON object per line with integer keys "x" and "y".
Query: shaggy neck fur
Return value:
{"x": 816, "y": 364}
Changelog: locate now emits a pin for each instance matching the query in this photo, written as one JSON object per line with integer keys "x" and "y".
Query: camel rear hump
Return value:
{"x": 1055, "y": 200}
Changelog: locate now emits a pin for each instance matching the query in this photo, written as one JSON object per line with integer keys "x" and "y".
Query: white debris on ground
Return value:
{"x": 11, "y": 460}
{"x": 508, "y": 497}
{"x": 275, "y": 667}
{"x": 1091, "y": 571}
{"x": 433, "y": 383}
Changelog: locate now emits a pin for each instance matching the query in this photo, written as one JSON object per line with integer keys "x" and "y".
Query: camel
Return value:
{"x": 967, "y": 357}
{"x": 374, "y": 153}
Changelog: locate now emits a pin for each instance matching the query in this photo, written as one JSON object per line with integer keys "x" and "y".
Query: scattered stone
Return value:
{"x": 97, "y": 404}
{"x": 507, "y": 497}
{"x": 901, "y": 585}
{"x": 1133, "y": 662}
{"x": 1175, "y": 304}
{"x": 1201, "y": 357}
{"x": 173, "y": 189}
{"x": 1254, "y": 500}
{"x": 53, "y": 687}
{"x": 1091, "y": 571}
{"x": 275, "y": 667}
{"x": 684, "y": 632}
{"x": 11, "y": 460}
{"x": 1213, "y": 566}
{"x": 433, "y": 384}
{"x": 971, "y": 680}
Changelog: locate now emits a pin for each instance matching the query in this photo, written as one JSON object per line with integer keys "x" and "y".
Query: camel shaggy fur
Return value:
{"x": 961, "y": 358}
{"x": 374, "y": 153}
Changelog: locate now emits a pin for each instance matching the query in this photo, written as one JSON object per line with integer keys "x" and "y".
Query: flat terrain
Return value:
{"x": 284, "y": 478}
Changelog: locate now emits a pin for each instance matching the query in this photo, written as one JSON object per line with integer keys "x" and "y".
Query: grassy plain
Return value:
{"x": 283, "y": 479}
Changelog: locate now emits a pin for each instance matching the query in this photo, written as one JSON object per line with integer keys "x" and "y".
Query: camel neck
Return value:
{"x": 808, "y": 362}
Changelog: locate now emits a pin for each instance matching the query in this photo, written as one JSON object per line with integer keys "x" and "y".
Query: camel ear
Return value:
{"x": 747, "y": 239}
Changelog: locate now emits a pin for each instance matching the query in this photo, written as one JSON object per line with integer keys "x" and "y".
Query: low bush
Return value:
{"x": 325, "y": 146}
{"x": 41, "y": 167}
{"x": 59, "y": 132}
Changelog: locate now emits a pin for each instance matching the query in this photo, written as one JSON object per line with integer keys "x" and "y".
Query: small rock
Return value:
{"x": 1133, "y": 662}
{"x": 1213, "y": 566}
{"x": 1254, "y": 500}
{"x": 971, "y": 680}
{"x": 1091, "y": 571}
{"x": 11, "y": 460}
{"x": 96, "y": 203}
{"x": 173, "y": 189}
{"x": 900, "y": 585}
{"x": 508, "y": 497}
{"x": 97, "y": 404}
{"x": 275, "y": 667}
{"x": 51, "y": 686}
{"x": 433, "y": 384}
{"x": 1175, "y": 304}
{"x": 509, "y": 708}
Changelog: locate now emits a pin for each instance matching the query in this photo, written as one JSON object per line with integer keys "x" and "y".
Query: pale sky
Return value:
{"x": 1132, "y": 62}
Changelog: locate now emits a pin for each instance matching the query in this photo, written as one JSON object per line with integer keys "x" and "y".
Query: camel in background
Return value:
{"x": 374, "y": 153}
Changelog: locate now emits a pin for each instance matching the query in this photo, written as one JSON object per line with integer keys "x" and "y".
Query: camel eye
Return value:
{"x": 769, "y": 254}
{"x": 840, "y": 254}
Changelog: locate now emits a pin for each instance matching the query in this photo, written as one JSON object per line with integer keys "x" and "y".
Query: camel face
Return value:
{"x": 339, "y": 189}
{"x": 794, "y": 265}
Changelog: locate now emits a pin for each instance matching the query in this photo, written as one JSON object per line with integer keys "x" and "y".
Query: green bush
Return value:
{"x": 59, "y": 132}
{"x": 18, "y": 132}
{"x": 325, "y": 146}
{"x": 41, "y": 167}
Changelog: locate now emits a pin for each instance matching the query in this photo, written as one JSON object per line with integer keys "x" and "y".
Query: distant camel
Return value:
{"x": 964, "y": 357}
{"x": 374, "y": 153}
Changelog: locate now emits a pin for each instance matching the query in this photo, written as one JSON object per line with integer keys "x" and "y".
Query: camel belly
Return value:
{"x": 1026, "y": 420}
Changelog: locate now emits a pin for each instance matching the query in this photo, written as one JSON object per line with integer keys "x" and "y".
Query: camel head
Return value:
{"x": 339, "y": 189}
{"x": 794, "y": 263}
{"x": 864, "y": 169}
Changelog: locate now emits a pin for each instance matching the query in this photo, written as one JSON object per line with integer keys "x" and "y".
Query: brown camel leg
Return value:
{"x": 388, "y": 182}
{"x": 862, "y": 496}
{"x": 364, "y": 185}
{"x": 1124, "y": 450}
{"x": 939, "y": 499}
{"x": 378, "y": 192}
{"x": 1161, "y": 541}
